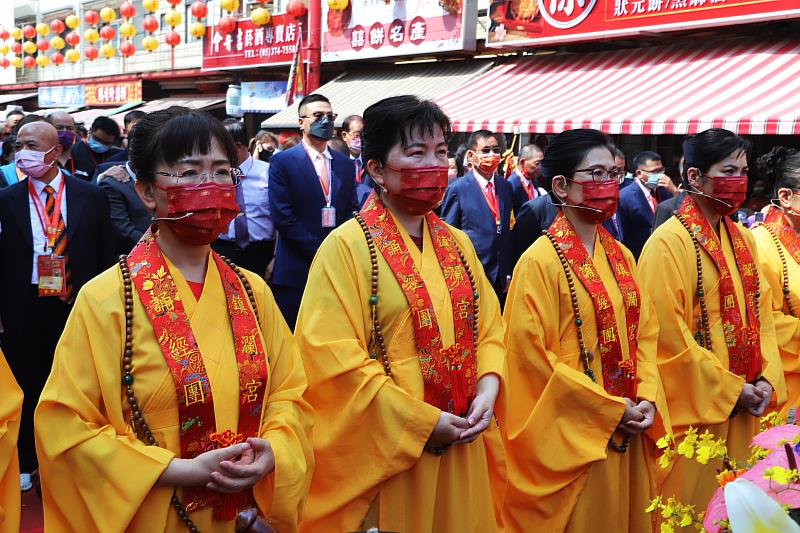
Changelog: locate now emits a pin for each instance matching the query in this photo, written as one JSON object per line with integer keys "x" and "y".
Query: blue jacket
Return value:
{"x": 465, "y": 208}
{"x": 519, "y": 193}
{"x": 296, "y": 201}
{"x": 636, "y": 216}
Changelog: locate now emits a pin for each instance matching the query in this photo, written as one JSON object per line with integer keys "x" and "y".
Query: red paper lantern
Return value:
{"x": 29, "y": 32}
{"x": 4, "y": 34}
{"x": 107, "y": 33}
{"x": 127, "y": 49}
{"x": 4, "y": 63}
{"x": 57, "y": 58}
{"x": 172, "y": 38}
{"x": 90, "y": 53}
{"x": 226, "y": 25}
{"x": 29, "y": 62}
{"x": 150, "y": 23}
{"x": 73, "y": 38}
{"x": 17, "y": 48}
{"x": 42, "y": 45}
{"x": 91, "y": 17}
{"x": 296, "y": 8}
{"x": 127, "y": 10}
{"x": 199, "y": 9}
{"x": 174, "y": 3}
{"x": 57, "y": 26}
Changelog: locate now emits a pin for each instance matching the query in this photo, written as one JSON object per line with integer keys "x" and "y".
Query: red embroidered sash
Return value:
{"x": 777, "y": 223}
{"x": 159, "y": 294}
{"x": 743, "y": 340}
{"x": 619, "y": 375}
{"x": 449, "y": 374}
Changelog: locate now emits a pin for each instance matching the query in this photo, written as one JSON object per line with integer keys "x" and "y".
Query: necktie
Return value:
{"x": 529, "y": 190}
{"x": 357, "y": 163}
{"x": 242, "y": 234}
{"x": 492, "y": 202}
{"x": 322, "y": 172}
{"x": 60, "y": 247}
{"x": 653, "y": 202}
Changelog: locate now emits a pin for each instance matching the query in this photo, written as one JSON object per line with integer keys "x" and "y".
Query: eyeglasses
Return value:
{"x": 192, "y": 178}
{"x": 64, "y": 128}
{"x": 600, "y": 175}
{"x": 491, "y": 150}
{"x": 319, "y": 114}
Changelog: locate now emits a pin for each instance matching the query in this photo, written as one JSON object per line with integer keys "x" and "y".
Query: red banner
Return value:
{"x": 113, "y": 94}
{"x": 252, "y": 46}
{"x": 540, "y": 22}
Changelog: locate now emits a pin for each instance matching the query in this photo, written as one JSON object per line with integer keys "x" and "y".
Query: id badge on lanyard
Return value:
{"x": 328, "y": 217}
{"x": 52, "y": 270}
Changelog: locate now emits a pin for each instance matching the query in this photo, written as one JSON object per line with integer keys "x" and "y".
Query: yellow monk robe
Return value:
{"x": 370, "y": 429}
{"x": 96, "y": 475}
{"x": 787, "y": 327}
{"x": 562, "y": 475}
{"x": 701, "y": 392}
{"x": 10, "y": 409}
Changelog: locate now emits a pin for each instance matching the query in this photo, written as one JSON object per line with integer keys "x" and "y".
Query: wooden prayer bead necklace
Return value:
{"x": 140, "y": 426}
{"x": 784, "y": 272}
{"x": 586, "y": 355}
{"x": 377, "y": 332}
{"x": 703, "y": 337}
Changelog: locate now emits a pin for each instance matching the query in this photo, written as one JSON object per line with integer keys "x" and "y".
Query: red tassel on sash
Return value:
{"x": 458, "y": 381}
{"x": 628, "y": 368}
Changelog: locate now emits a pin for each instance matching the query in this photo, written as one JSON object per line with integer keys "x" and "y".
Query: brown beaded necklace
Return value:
{"x": 586, "y": 355}
{"x": 377, "y": 333}
{"x": 138, "y": 422}
{"x": 784, "y": 272}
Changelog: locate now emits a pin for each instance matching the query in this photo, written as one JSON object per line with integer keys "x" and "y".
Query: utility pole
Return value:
{"x": 313, "y": 49}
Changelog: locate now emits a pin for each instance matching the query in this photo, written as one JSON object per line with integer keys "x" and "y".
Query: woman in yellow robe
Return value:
{"x": 580, "y": 434}
{"x": 384, "y": 456}
{"x": 778, "y": 246}
{"x": 712, "y": 381}
{"x": 98, "y": 471}
{"x": 10, "y": 410}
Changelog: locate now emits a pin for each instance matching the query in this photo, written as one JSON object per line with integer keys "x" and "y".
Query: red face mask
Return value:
{"x": 421, "y": 188}
{"x": 488, "y": 163}
{"x": 199, "y": 213}
{"x": 731, "y": 190}
{"x": 599, "y": 200}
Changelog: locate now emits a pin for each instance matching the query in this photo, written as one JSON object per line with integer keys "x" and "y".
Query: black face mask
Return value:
{"x": 265, "y": 154}
{"x": 322, "y": 128}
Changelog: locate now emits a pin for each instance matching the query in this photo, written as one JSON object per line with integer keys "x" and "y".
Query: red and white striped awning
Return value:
{"x": 744, "y": 86}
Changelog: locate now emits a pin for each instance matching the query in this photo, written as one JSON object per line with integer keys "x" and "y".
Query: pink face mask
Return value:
{"x": 421, "y": 188}
{"x": 31, "y": 162}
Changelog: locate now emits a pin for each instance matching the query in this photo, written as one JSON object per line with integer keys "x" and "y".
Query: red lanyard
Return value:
{"x": 49, "y": 227}
{"x": 326, "y": 187}
{"x": 491, "y": 201}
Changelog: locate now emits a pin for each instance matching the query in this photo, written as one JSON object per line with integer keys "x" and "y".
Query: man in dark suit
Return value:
{"x": 638, "y": 203}
{"x": 480, "y": 204}
{"x": 55, "y": 235}
{"x": 129, "y": 215}
{"x": 311, "y": 191}
{"x": 98, "y": 148}
{"x": 525, "y": 180}
{"x": 121, "y": 157}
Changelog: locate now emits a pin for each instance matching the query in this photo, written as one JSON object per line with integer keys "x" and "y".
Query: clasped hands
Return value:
{"x": 637, "y": 418}
{"x": 754, "y": 398}
{"x": 226, "y": 470}
{"x": 452, "y": 429}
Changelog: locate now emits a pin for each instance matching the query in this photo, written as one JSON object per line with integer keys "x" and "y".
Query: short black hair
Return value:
{"x": 707, "y": 148}
{"x": 15, "y": 112}
{"x": 619, "y": 153}
{"x": 171, "y": 134}
{"x": 472, "y": 143}
{"x": 132, "y": 116}
{"x": 310, "y": 99}
{"x": 569, "y": 148}
{"x": 27, "y": 119}
{"x": 642, "y": 158}
{"x": 393, "y": 120}
{"x": 780, "y": 168}
{"x": 237, "y": 130}
{"x": 107, "y": 125}
{"x": 338, "y": 145}
{"x": 349, "y": 121}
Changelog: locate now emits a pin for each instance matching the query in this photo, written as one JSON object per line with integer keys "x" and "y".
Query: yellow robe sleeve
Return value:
{"x": 700, "y": 388}
{"x": 287, "y": 421}
{"x": 569, "y": 412}
{"x": 81, "y": 433}
{"x": 10, "y": 409}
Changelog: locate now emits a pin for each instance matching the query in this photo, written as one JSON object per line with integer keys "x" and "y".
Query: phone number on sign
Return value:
{"x": 270, "y": 52}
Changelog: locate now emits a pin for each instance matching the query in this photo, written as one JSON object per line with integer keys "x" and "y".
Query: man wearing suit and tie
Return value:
{"x": 55, "y": 235}
{"x": 311, "y": 191}
{"x": 480, "y": 204}
{"x": 524, "y": 181}
{"x": 638, "y": 203}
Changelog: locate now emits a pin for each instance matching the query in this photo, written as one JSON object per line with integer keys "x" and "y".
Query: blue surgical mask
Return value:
{"x": 652, "y": 179}
{"x": 322, "y": 128}
{"x": 97, "y": 146}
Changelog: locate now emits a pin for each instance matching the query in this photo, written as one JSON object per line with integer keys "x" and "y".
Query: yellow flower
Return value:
{"x": 666, "y": 527}
{"x": 686, "y": 520}
{"x": 655, "y": 504}
{"x": 665, "y": 441}
{"x": 780, "y": 475}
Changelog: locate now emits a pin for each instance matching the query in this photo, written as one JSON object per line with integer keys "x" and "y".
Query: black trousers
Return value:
{"x": 254, "y": 257}
{"x": 30, "y": 356}
{"x": 288, "y": 300}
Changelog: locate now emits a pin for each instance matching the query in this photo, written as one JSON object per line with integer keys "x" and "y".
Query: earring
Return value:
{"x": 384, "y": 189}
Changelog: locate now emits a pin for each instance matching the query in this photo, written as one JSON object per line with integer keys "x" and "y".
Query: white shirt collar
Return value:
{"x": 39, "y": 185}
{"x": 647, "y": 191}
{"x": 314, "y": 153}
{"x": 483, "y": 181}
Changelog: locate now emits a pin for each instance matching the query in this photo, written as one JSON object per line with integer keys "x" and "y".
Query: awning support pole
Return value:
{"x": 314, "y": 44}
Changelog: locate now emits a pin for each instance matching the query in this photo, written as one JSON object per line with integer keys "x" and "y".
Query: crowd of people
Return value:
{"x": 330, "y": 332}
